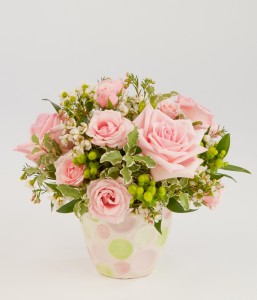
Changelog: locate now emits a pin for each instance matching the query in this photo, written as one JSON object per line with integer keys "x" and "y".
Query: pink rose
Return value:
{"x": 109, "y": 128}
{"x": 67, "y": 172}
{"x": 108, "y": 199}
{"x": 170, "y": 109}
{"x": 173, "y": 144}
{"x": 45, "y": 123}
{"x": 195, "y": 112}
{"x": 213, "y": 201}
{"x": 108, "y": 89}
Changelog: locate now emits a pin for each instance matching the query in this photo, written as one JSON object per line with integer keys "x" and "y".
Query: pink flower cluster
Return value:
{"x": 45, "y": 123}
{"x": 172, "y": 142}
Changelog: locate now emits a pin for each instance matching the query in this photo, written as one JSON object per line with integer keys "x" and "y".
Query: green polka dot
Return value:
{"x": 162, "y": 238}
{"x": 105, "y": 270}
{"x": 120, "y": 249}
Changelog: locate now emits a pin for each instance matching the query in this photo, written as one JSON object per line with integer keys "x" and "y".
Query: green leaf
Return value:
{"x": 41, "y": 178}
{"x": 131, "y": 146}
{"x": 114, "y": 157}
{"x": 150, "y": 90}
{"x": 126, "y": 173}
{"x": 114, "y": 172}
{"x": 197, "y": 123}
{"x": 158, "y": 226}
{"x": 31, "y": 171}
{"x": 56, "y": 107}
{"x": 135, "y": 167}
{"x": 89, "y": 105}
{"x": 104, "y": 173}
{"x": 56, "y": 147}
{"x": 80, "y": 208}
{"x": 68, "y": 191}
{"x": 183, "y": 182}
{"x": 224, "y": 143}
{"x": 68, "y": 207}
{"x": 184, "y": 201}
{"x": 235, "y": 169}
{"x": 129, "y": 160}
{"x": 47, "y": 142}
{"x": 35, "y": 139}
{"x": 53, "y": 187}
{"x": 219, "y": 176}
{"x": 35, "y": 150}
{"x": 175, "y": 206}
{"x": 147, "y": 160}
{"x": 109, "y": 105}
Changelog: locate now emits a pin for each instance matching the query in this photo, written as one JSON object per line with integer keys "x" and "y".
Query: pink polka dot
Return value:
{"x": 103, "y": 231}
{"x": 144, "y": 261}
{"x": 125, "y": 226}
{"x": 122, "y": 267}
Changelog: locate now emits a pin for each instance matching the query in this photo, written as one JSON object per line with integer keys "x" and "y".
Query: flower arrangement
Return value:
{"x": 110, "y": 152}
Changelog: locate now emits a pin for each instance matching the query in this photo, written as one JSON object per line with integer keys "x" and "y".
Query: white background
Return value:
{"x": 203, "y": 49}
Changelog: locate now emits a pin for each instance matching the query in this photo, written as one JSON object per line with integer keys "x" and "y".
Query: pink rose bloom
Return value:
{"x": 109, "y": 128}
{"x": 45, "y": 123}
{"x": 213, "y": 201}
{"x": 170, "y": 109}
{"x": 67, "y": 172}
{"x": 108, "y": 199}
{"x": 195, "y": 112}
{"x": 108, "y": 89}
{"x": 173, "y": 144}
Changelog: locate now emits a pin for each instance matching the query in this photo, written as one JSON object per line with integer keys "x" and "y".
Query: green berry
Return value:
{"x": 223, "y": 153}
{"x": 152, "y": 183}
{"x": 73, "y": 98}
{"x": 132, "y": 189}
{"x": 148, "y": 197}
{"x": 94, "y": 164}
{"x": 144, "y": 178}
{"x": 152, "y": 190}
{"x": 213, "y": 150}
{"x": 67, "y": 103}
{"x": 218, "y": 163}
{"x": 64, "y": 95}
{"x": 93, "y": 171}
{"x": 87, "y": 174}
{"x": 139, "y": 197}
{"x": 93, "y": 155}
{"x": 213, "y": 169}
{"x": 162, "y": 191}
{"x": 210, "y": 155}
{"x": 81, "y": 158}
{"x": 140, "y": 190}
{"x": 75, "y": 161}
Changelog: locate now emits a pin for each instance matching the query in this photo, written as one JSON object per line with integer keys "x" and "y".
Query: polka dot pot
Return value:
{"x": 127, "y": 250}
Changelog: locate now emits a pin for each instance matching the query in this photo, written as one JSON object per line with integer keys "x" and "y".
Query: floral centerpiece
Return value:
{"x": 111, "y": 155}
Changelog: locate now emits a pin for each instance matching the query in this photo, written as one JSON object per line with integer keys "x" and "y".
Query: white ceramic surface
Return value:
{"x": 127, "y": 250}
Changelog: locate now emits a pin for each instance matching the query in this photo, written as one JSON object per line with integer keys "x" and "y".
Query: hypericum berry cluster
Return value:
{"x": 91, "y": 162}
{"x": 213, "y": 158}
{"x": 146, "y": 190}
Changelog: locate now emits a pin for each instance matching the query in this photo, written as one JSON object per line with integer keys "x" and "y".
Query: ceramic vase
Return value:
{"x": 129, "y": 249}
